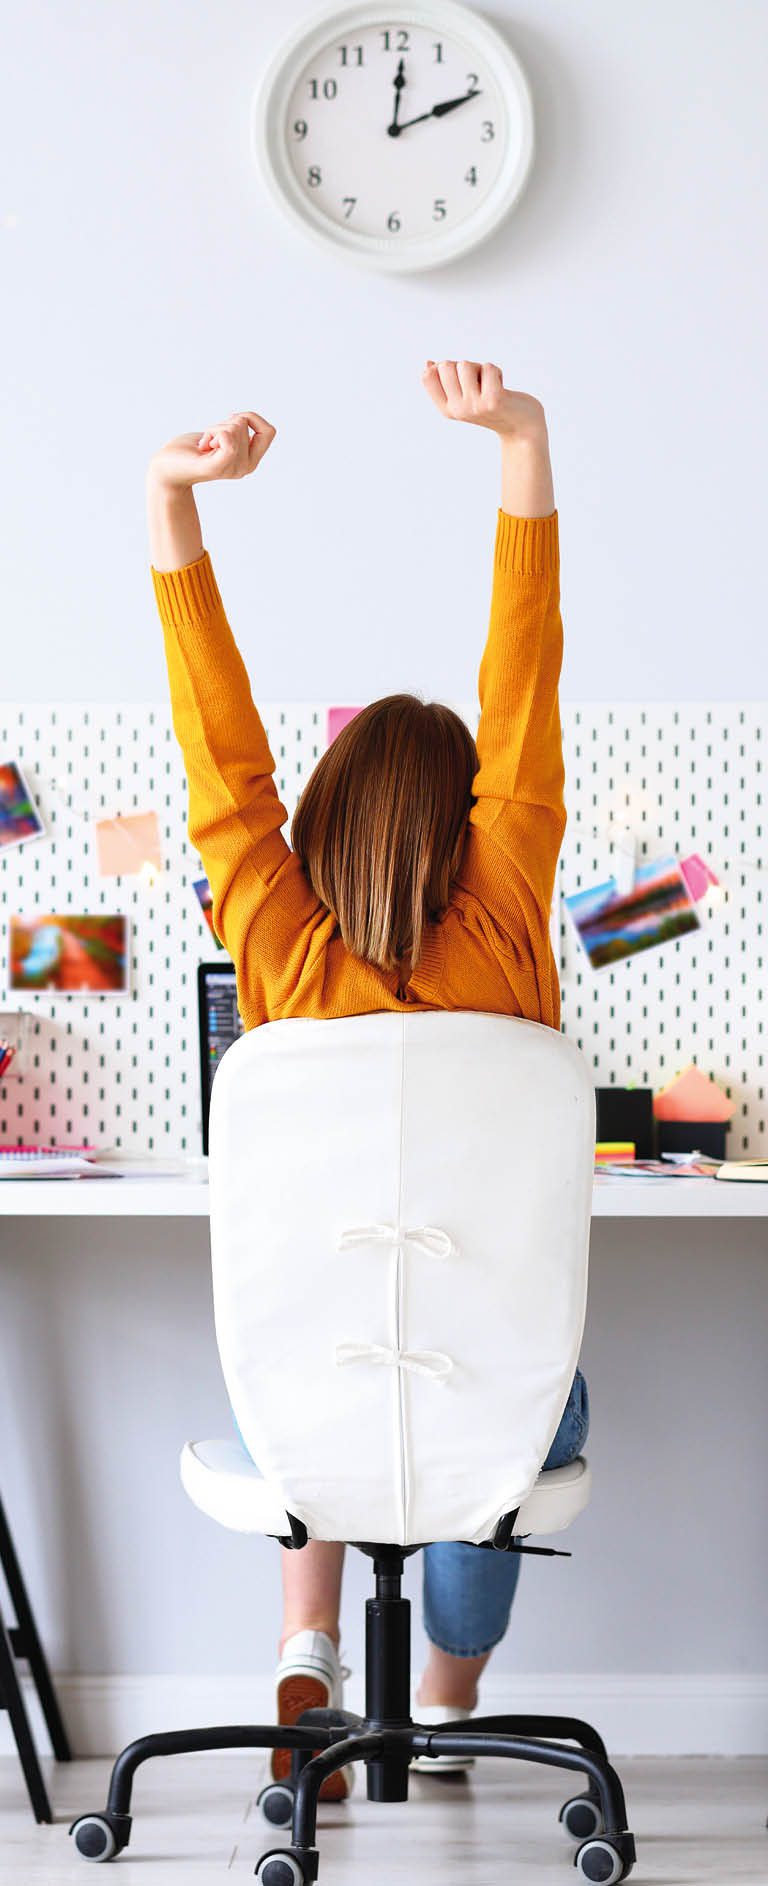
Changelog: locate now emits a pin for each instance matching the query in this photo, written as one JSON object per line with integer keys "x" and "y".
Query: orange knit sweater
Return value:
{"x": 490, "y": 950}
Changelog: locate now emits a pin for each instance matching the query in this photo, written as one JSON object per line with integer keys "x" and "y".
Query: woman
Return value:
{"x": 421, "y": 871}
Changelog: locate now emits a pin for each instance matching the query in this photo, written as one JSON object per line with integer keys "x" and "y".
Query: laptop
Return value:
{"x": 220, "y": 1023}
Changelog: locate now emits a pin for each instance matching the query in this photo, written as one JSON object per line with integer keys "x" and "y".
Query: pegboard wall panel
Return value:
{"x": 684, "y": 779}
{"x": 123, "y": 1071}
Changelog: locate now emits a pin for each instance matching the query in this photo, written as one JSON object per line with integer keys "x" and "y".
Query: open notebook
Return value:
{"x": 83, "y": 1162}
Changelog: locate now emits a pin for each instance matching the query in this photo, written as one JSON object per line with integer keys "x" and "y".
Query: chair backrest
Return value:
{"x": 400, "y": 1210}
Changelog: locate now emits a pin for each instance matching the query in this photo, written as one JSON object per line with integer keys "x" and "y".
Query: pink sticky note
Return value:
{"x": 339, "y": 717}
{"x": 125, "y": 844}
{"x": 698, "y": 876}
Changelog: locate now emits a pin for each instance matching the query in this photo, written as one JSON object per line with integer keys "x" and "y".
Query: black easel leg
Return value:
{"x": 11, "y": 1699}
{"x": 26, "y": 1643}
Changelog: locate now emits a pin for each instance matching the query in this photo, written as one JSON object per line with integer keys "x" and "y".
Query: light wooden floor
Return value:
{"x": 694, "y": 1821}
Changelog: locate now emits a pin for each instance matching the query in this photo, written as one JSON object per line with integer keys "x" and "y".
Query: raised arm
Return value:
{"x": 196, "y": 458}
{"x": 264, "y": 910}
{"x": 517, "y": 823}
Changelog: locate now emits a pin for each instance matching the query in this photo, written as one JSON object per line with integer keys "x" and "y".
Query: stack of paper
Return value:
{"x": 694, "y": 1167}
{"x": 51, "y": 1165}
{"x": 39, "y": 1163}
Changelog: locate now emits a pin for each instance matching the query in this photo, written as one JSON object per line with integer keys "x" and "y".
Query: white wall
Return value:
{"x": 150, "y": 288}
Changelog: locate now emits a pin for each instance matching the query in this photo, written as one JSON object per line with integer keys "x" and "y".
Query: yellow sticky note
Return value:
{"x": 126, "y": 844}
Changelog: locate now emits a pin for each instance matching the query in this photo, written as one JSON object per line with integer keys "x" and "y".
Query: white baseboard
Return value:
{"x": 635, "y": 1714}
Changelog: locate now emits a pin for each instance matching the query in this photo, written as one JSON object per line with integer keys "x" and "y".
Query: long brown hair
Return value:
{"x": 380, "y": 825}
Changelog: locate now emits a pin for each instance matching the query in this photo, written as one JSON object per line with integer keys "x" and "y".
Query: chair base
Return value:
{"x": 385, "y": 1738}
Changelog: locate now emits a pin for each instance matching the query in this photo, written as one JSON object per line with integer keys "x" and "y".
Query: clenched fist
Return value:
{"x": 463, "y": 389}
{"x": 224, "y": 451}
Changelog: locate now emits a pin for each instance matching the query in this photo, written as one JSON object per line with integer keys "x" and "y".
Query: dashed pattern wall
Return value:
{"x": 684, "y": 779}
{"x": 124, "y": 1071}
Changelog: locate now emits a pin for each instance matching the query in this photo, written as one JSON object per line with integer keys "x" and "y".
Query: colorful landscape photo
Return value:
{"x": 19, "y": 817}
{"x": 658, "y": 909}
{"x": 76, "y": 955}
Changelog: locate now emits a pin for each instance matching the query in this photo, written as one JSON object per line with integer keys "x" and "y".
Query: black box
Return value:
{"x": 692, "y": 1136}
{"x": 627, "y": 1113}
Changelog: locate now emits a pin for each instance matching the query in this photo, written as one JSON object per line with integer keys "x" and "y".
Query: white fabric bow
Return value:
{"x": 428, "y": 1238}
{"x": 430, "y": 1362}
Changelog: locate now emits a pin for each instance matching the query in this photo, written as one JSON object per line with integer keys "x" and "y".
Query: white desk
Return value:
{"x": 186, "y": 1196}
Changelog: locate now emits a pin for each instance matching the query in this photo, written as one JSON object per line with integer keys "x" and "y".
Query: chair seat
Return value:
{"x": 223, "y": 1482}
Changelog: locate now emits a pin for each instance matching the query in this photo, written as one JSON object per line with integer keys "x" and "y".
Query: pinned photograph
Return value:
{"x": 19, "y": 817}
{"x": 205, "y": 898}
{"x": 658, "y": 909}
{"x": 73, "y": 955}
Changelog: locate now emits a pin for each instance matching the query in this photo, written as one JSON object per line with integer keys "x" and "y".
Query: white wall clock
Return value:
{"x": 398, "y": 136}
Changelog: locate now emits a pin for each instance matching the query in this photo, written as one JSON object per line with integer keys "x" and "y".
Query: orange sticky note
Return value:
{"x": 692, "y": 1096}
{"x": 126, "y": 844}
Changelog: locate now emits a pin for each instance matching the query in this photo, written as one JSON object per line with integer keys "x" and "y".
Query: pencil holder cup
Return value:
{"x": 17, "y": 1028}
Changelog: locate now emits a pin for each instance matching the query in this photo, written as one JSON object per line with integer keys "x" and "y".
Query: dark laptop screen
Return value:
{"x": 220, "y": 1024}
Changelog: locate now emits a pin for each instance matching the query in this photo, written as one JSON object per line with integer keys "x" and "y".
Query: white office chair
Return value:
{"x": 400, "y": 1208}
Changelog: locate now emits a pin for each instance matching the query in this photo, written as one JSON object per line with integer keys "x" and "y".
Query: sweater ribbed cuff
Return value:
{"x": 528, "y": 546}
{"x": 189, "y": 593}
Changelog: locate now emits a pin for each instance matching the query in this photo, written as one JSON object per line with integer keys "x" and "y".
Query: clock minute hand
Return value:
{"x": 438, "y": 111}
{"x": 398, "y": 82}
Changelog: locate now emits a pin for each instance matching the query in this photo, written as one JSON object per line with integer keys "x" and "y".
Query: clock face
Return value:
{"x": 398, "y": 135}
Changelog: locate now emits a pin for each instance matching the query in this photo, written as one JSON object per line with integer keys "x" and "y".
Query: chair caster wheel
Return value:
{"x": 582, "y": 1816}
{"x": 96, "y": 1838}
{"x": 276, "y": 1803}
{"x": 281, "y": 1868}
{"x": 598, "y": 1860}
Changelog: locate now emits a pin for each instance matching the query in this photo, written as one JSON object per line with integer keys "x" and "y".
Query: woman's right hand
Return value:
{"x": 465, "y": 389}
{"x": 224, "y": 451}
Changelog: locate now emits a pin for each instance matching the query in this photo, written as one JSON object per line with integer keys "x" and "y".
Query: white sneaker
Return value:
{"x": 430, "y": 1714}
{"x": 310, "y": 1676}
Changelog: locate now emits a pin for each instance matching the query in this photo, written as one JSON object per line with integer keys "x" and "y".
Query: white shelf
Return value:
{"x": 186, "y": 1196}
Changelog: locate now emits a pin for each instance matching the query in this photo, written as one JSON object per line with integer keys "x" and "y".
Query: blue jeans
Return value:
{"x": 467, "y": 1591}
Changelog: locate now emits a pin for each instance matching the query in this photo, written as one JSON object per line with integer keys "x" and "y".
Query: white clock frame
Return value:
{"x": 392, "y": 254}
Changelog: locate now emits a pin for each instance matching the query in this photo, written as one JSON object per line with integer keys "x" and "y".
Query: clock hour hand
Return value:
{"x": 438, "y": 111}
